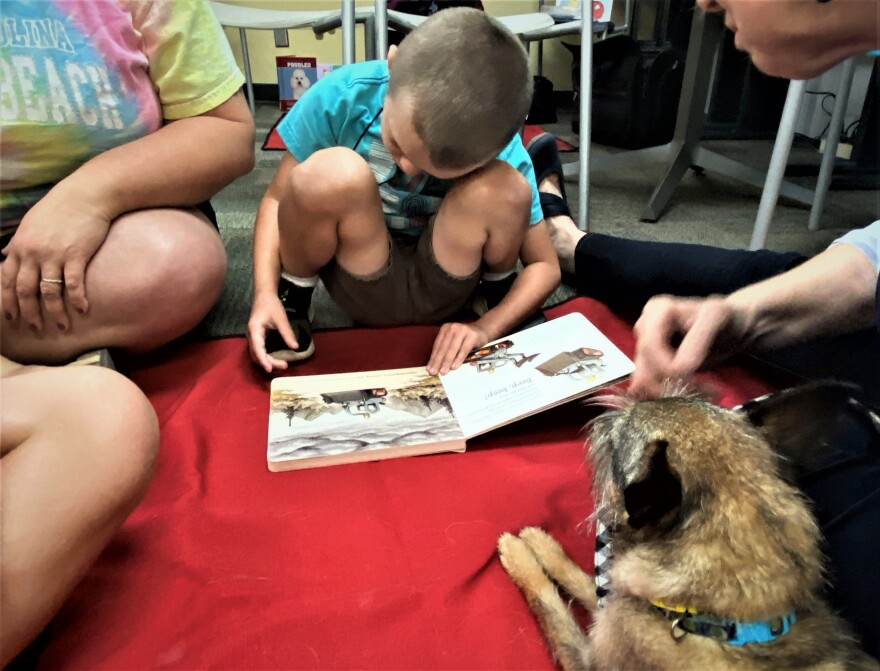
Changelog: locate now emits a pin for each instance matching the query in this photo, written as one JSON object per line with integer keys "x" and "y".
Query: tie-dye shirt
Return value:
{"x": 78, "y": 77}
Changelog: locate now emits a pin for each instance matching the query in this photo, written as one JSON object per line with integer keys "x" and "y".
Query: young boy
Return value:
{"x": 405, "y": 182}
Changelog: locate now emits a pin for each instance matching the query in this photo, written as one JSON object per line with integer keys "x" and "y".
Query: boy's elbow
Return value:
{"x": 551, "y": 274}
{"x": 554, "y": 273}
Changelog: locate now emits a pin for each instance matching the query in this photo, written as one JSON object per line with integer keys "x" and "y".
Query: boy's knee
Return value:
{"x": 331, "y": 177}
{"x": 501, "y": 189}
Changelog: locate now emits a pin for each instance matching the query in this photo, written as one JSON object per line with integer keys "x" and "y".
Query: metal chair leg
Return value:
{"x": 778, "y": 161}
{"x": 248, "y": 78}
{"x": 586, "y": 100}
{"x": 348, "y": 28}
{"x": 831, "y": 141}
{"x": 381, "y": 36}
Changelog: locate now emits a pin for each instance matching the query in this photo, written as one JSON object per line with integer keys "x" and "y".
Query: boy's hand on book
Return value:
{"x": 267, "y": 312}
{"x": 452, "y": 344}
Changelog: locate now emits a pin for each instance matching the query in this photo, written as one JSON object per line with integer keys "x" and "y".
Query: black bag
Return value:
{"x": 635, "y": 92}
{"x": 543, "y": 109}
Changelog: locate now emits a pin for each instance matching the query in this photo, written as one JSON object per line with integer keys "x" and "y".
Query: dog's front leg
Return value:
{"x": 568, "y": 643}
{"x": 560, "y": 567}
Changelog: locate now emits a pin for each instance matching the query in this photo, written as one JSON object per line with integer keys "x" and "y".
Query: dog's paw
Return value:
{"x": 542, "y": 544}
{"x": 559, "y": 567}
{"x": 520, "y": 564}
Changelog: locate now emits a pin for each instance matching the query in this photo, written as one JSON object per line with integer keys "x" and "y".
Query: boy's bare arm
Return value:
{"x": 266, "y": 310}
{"x": 540, "y": 277}
{"x": 267, "y": 263}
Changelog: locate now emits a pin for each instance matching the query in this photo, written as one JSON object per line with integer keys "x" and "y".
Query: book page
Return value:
{"x": 530, "y": 371}
{"x": 317, "y": 420}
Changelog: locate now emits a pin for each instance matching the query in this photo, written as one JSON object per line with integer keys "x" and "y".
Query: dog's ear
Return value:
{"x": 653, "y": 498}
{"x": 804, "y": 422}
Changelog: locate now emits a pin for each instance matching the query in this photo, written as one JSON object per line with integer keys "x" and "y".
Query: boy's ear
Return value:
{"x": 803, "y": 423}
{"x": 392, "y": 54}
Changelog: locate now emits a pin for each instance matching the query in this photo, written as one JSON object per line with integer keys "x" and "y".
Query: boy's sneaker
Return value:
{"x": 297, "y": 305}
{"x": 491, "y": 292}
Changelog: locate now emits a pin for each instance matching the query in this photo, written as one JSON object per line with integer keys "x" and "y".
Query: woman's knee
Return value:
{"x": 332, "y": 178}
{"x": 124, "y": 434}
{"x": 89, "y": 416}
{"x": 184, "y": 254}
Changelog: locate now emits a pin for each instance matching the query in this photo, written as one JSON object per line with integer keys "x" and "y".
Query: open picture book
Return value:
{"x": 323, "y": 420}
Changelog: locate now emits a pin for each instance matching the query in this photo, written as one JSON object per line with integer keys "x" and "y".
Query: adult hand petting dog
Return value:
{"x": 830, "y": 294}
{"x": 675, "y": 337}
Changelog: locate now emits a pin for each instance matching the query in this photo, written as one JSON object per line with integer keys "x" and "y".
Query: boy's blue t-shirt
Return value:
{"x": 344, "y": 109}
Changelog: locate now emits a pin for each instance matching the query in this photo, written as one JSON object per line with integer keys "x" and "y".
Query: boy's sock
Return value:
{"x": 492, "y": 290}
{"x": 98, "y": 357}
{"x": 295, "y": 294}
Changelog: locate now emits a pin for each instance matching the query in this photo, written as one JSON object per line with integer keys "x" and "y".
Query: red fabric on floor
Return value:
{"x": 384, "y": 565}
{"x": 531, "y": 131}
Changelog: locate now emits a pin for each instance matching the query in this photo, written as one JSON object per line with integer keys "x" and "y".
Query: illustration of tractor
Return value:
{"x": 488, "y": 358}
{"x": 358, "y": 402}
{"x": 577, "y": 364}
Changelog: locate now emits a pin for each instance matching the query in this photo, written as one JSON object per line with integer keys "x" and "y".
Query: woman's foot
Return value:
{"x": 548, "y": 170}
{"x": 565, "y": 236}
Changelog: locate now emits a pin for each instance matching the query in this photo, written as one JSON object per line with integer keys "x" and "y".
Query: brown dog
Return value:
{"x": 716, "y": 556}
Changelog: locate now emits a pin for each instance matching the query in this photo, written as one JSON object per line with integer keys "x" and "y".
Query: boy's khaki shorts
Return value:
{"x": 411, "y": 289}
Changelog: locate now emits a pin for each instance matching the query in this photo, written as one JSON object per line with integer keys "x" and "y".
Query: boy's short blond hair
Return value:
{"x": 469, "y": 83}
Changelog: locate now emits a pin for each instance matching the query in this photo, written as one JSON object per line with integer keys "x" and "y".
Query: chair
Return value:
{"x": 250, "y": 18}
{"x": 782, "y": 147}
{"x": 379, "y": 19}
{"x": 685, "y": 149}
{"x": 572, "y": 25}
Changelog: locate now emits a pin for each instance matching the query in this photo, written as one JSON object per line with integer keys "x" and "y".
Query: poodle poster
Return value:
{"x": 296, "y": 74}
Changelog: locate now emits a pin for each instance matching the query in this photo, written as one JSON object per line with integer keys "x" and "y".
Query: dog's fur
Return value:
{"x": 704, "y": 518}
{"x": 299, "y": 82}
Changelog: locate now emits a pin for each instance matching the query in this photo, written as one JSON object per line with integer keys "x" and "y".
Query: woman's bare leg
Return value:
{"x": 78, "y": 446}
{"x": 156, "y": 276}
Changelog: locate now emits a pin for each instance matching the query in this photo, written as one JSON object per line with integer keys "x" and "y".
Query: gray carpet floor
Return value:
{"x": 709, "y": 209}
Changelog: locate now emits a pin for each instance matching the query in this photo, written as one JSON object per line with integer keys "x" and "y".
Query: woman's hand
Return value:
{"x": 676, "y": 337}
{"x": 55, "y": 240}
{"x": 267, "y": 312}
{"x": 452, "y": 344}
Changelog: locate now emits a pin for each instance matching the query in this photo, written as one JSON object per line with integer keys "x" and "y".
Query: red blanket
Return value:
{"x": 384, "y": 565}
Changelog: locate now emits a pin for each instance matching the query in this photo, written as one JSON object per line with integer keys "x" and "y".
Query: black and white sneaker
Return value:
{"x": 297, "y": 305}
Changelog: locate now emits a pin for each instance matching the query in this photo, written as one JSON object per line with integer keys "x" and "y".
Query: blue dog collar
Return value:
{"x": 723, "y": 629}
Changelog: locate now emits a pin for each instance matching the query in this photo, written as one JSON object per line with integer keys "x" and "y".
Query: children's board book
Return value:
{"x": 323, "y": 420}
{"x": 296, "y": 74}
